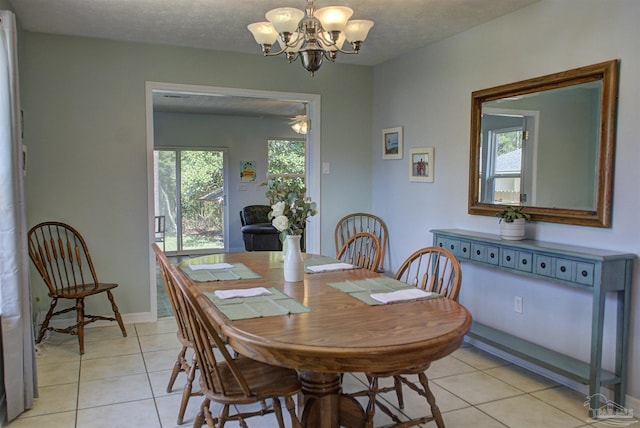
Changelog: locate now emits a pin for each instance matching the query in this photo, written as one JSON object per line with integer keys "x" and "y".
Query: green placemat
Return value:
{"x": 362, "y": 289}
{"x": 320, "y": 260}
{"x": 240, "y": 308}
{"x": 238, "y": 271}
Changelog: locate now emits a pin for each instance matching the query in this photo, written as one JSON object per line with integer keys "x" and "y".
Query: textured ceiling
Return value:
{"x": 400, "y": 25}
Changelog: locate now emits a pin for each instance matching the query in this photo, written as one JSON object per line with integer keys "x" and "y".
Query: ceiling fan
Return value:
{"x": 300, "y": 124}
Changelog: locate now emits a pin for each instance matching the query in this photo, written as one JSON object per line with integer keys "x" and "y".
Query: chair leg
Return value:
{"x": 291, "y": 407}
{"x": 177, "y": 368}
{"x": 371, "y": 406}
{"x": 186, "y": 392}
{"x": 199, "y": 421}
{"x": 116, "y": 313}
{"x": 397, "y": 383}
{"x": 431, "y": 399}
{"x": 224, "y": 416}
{"x": 80, "y": 321}
{"x": 47, "y": 319}
{"x": 277, "y": 409}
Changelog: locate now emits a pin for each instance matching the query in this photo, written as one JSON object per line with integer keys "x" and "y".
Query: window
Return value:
{"x": 505, "y": 165}
{"x": 189, "y": 193}
{"x": 287, "y": 161}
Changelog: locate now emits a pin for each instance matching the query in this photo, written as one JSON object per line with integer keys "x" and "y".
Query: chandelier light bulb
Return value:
{"x": 334, "y": 18}
{"x": 357, "y": 30}
{"x": 263, "y": 32}
{"x": 285, "y": 19}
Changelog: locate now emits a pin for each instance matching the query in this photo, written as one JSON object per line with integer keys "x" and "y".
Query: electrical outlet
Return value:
{"x": 517, "y": 304}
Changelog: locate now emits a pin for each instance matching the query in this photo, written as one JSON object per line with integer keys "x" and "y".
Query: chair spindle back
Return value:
{"x": 219, "y": 372}
{"x": 353, "y": 223}
{"x": 61, "y": 256}
{"x": 432, "y": 269}
{"x": 172, "y": 292}
{"x": 362, "y": 249}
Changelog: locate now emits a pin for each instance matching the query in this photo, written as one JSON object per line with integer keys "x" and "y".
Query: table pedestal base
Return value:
{"x": 324, "y": 407}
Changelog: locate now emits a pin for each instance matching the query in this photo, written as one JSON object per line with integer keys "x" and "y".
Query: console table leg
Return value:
{"x": 622, "y": 345}
{"x": 595, "y": 370}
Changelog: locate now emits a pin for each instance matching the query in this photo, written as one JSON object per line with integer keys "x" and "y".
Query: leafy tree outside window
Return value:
{"x": 287, "y": 161}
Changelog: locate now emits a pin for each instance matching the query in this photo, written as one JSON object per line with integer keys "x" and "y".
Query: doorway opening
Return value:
{"x": 312, "y": 179}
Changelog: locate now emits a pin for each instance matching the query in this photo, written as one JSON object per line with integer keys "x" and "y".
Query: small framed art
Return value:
{"x": 421, "y": 164}
{"x": 247, "y": 171}
{"x": 392, "y": 143}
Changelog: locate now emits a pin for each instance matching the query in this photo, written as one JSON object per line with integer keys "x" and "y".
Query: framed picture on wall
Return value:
{"x": 392, "y": 143}
{"x": 421, "y": 164}
{"x": 247, "y": 171}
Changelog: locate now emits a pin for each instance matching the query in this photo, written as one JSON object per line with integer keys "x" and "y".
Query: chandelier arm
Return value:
{"x": 348, "y": 52}
{"x": 330, "y": 43}
{"x": 267, "y": 52}
{"x": 337, "y": 49}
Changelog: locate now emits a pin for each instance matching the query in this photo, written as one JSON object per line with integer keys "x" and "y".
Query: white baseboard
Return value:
{"x": 630, "y": 402}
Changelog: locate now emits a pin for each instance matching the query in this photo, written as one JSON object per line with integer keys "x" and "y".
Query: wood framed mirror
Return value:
{"x": 546, "y": 143}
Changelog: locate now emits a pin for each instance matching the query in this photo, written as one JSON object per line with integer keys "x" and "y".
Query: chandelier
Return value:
{"x": 310, "y": 35}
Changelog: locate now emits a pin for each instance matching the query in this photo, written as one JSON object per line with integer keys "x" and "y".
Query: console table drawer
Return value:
{"x": 543, "y": 265}
{"x": 564, "y": 269}
{"x": 508, "y": 258}
{"x": 584, "y": 273}
{"x": 484, "y": 253}
{"x": 493, "y": 255}
{"x": 459, "y": 249}
{"x": 525, "y": 261}
{"x": 518, "y": 260}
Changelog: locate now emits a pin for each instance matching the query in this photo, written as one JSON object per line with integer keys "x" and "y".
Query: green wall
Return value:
{"x": 85, "y": 129}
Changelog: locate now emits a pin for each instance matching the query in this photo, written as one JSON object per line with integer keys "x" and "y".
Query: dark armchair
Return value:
{"x": 258, "y": 233}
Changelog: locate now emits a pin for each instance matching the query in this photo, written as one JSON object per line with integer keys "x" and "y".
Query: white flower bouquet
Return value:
{"x": 290, "y": 208}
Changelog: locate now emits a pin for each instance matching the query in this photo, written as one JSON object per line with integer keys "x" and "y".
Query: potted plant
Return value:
{"x": 512, "y": 220}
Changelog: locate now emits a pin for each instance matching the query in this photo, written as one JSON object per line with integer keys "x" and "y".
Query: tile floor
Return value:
{"x": 121, "y": 382}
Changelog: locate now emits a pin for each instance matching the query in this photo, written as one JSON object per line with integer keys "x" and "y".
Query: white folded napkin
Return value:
{"x": 330, "y": 266}
{"x": 242, "y": 292}
{"x": 400, "y": 295}
{"x": 211, "y": 266}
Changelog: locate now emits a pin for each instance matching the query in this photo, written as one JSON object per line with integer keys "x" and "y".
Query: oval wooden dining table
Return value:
{"x": 339, "y": 334}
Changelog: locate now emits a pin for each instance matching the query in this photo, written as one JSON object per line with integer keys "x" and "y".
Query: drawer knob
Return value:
{"x": 478, "y": 252}
{"x": 453, "y": 246}
{"x": 440, "y": 245}
{"x": 524, "y": 261}
{"x": 508, "y": 258}
{"x": 585, "y": 273}
{"x": 543, "y": 265}
{"x": 464, "y": 250}
{"x": 492, "y": 255}
{"x": 563, "y": 269}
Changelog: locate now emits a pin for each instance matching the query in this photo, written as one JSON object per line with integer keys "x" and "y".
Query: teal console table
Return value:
{"x": 594, "y": 270}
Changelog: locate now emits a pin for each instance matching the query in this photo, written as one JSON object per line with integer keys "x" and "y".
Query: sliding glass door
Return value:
{"x": 189, "y": 192}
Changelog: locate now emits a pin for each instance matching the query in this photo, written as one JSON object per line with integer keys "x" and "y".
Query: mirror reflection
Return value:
{"x": 546, "y": 143}
{"x": 541, "y": 149}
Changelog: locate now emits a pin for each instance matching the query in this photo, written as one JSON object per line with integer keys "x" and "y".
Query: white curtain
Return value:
{"x": 17, "y": 360}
